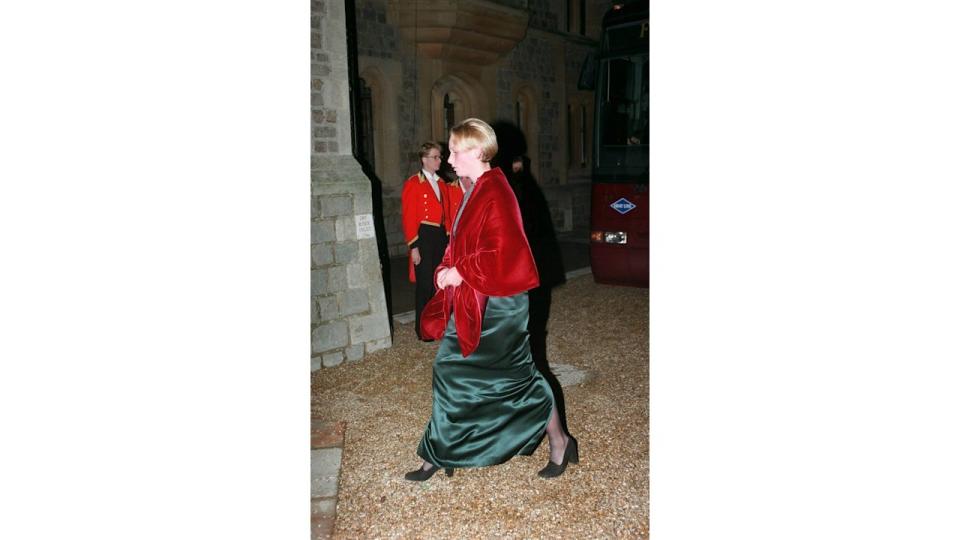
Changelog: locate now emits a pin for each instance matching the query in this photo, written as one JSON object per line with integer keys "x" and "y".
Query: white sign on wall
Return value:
{"x": 365, "y": 226}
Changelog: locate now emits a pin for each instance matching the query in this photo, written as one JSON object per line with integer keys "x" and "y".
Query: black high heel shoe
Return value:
{"x": 422, "y": 474}
{"x": 570, "y": 455}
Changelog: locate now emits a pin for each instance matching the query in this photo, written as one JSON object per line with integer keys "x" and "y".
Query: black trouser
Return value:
{"x": 431, "y": 243}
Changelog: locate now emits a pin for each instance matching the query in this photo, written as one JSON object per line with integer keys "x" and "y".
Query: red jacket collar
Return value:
{"x": 492, "y": 172}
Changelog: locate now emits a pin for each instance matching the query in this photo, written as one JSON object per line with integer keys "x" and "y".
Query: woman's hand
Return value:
{"x": 449, "y": 277}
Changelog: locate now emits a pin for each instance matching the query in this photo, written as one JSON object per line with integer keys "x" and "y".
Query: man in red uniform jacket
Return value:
{"x": 428, "y": 205}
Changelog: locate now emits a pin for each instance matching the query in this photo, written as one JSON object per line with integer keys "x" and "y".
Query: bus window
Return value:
{"x": 622, "y": 104}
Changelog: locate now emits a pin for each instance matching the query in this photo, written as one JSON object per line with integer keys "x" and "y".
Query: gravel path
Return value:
{"x": 385, "y": 400}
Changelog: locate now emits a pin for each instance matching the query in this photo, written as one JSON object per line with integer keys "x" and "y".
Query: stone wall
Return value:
{"x": 378, "y": 37}
{"x": 546, "y": 14}
{"x": 533, "y": 62}
{"x": 380, "y": 41}
{"x": 348, "y": 306}
{"x": 375, "y": 37}
{"x": 539, "y": 61}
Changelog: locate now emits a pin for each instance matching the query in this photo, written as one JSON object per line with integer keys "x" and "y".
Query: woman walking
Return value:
{"x": 489, "y": 401}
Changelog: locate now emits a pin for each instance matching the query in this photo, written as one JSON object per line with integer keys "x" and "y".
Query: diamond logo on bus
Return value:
{"x": 623, "y": 206}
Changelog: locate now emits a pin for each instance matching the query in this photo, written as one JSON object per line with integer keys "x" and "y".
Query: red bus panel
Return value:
{"x": 620, "y": 208}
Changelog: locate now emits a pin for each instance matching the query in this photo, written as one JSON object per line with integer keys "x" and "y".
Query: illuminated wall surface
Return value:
{"x": 484, "y": 57}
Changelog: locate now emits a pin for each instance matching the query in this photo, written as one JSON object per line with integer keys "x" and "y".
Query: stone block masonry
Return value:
{"x": 348, "y": 305}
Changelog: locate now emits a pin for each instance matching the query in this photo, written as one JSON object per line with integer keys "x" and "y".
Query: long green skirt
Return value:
{"x": 493, "y": 405}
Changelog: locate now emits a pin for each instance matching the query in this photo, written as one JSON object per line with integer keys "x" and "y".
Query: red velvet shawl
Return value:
{"x": 491, "y": 252}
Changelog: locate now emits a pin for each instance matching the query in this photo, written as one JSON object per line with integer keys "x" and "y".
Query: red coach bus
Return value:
{"x": 620, "y": 204}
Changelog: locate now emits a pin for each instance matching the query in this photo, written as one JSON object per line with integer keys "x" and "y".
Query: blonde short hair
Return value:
{"x": 473, "y": 133}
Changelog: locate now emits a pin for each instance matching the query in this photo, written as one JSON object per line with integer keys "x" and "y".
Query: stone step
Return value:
{"x": 326, "y": 451}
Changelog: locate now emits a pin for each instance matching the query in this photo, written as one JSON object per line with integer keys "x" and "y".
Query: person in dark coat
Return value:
{"x": 538, "y": 226}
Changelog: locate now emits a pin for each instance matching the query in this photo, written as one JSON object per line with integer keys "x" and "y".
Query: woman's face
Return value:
{"x": 465, "y": 162}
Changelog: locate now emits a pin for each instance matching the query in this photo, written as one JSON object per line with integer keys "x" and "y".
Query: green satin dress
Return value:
{"x": 493, "y": 405}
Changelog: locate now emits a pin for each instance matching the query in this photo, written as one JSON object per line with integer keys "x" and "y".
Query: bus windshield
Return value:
{"x": 625, "y": 101}
{"x": 623, "y": 104}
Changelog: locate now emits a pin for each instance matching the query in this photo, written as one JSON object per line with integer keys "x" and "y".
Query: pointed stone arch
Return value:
{"x": 526, "y": 115}
{"x": 463, "y": 93}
